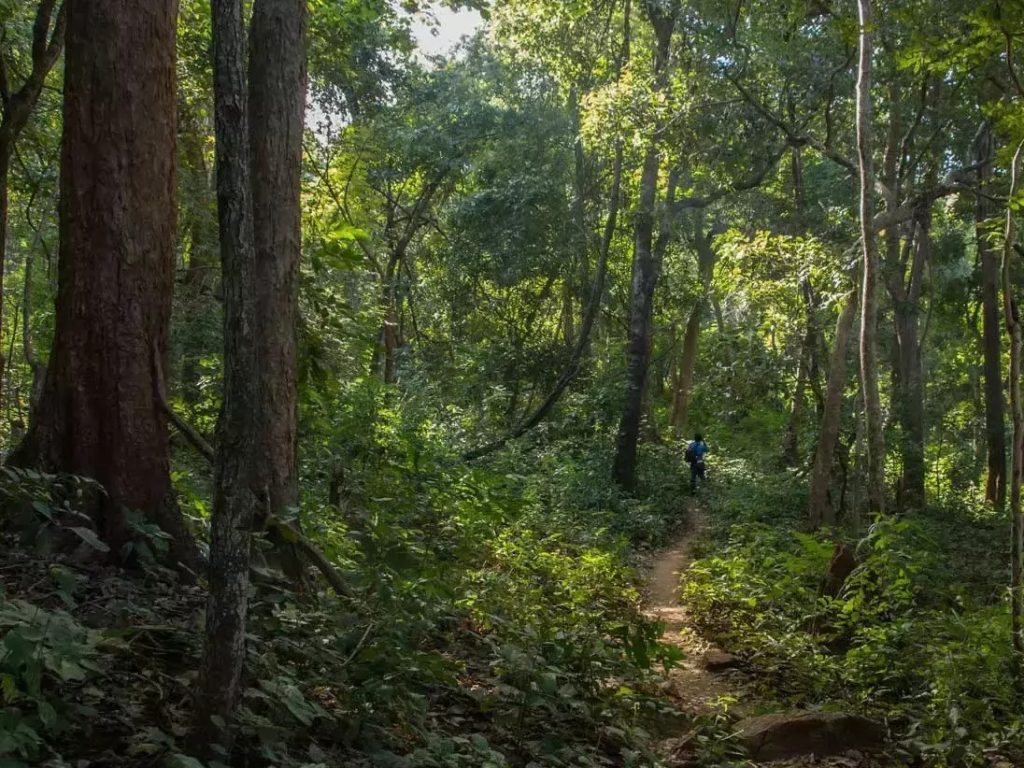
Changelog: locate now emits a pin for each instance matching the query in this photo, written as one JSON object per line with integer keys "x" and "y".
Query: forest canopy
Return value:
{"x": 636, "y": 383}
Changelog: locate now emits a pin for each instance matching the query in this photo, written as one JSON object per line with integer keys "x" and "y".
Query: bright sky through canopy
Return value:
{"x": 441, "y": 35}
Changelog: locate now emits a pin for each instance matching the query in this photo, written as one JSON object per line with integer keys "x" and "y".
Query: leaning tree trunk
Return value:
{"x": 99, "y": 414}
{"x": 1011, "y": 313}
{"x": 995, "y": 431}
{"x": 645, "y": 269}
{"x": 869, "y": 293}
{"x": 277, "y": 109}
{"x": 237, "y": 471}
{"x": 820, "y": 510}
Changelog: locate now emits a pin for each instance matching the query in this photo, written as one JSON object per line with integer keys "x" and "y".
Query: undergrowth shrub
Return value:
{"x": 910, "y": 638}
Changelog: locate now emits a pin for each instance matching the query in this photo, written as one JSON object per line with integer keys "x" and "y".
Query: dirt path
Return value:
{"x": 704, "y": 684}
{"x": 691, "y": 685}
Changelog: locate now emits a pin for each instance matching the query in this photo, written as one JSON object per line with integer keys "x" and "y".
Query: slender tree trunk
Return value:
{"x": 28, "y": 345}
{"x": 791, "y": 449}
{"x": 99, "y": 415}
{"x": 909, "y": 394}
{"x": 1011, "y": 313}
{"x": 645, "y": 268}
{"x": 869, "y": 295}
{"x": 277, "y": 70}
{"x": 995, "y": 431}
{"x": 819, "y": 509}
{"x": 17, "y": 108}
{"x": 684, "y": 373}
{"x": 683, "y": 393}
{"x": 237, "y": 463}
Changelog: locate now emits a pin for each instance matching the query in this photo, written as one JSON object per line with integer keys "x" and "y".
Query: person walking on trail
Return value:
{"x": 695, "y": 453}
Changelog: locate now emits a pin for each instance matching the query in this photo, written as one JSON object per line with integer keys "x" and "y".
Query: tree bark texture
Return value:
{"x": 99, "y": 414}
{"x": 236, "y": 494}
{"x": 645, "y": 267}
{"x": 277, "y": 71}
{"x": 869, "y": 293}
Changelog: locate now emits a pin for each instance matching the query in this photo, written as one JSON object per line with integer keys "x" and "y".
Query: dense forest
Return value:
{"x": 354, "y": 395}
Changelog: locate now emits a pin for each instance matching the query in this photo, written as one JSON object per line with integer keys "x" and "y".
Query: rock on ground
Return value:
{"x": 791, "y": 734}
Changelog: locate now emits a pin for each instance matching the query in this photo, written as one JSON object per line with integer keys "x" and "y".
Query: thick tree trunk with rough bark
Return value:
{"x": 869, "y": 293}
{"x": 99, "y": 414}
{"x": 277, "y": 87}
{"x": 820, "y": 510}
{"x": 645, "y": 267}
{"x": 995, "y": 430}
{"x": 236, "y": 492}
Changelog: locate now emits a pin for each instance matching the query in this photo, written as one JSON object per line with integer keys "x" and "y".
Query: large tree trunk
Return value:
{"x": 99, "y": 415}
{"x": 645, "y": 268}
{"x": 995, "y": 431}
{"x": 235, "y": 501}
{"x": 277, "y": 109}
{"x": 869, "y": 294}
{"x": 820, "y": 511}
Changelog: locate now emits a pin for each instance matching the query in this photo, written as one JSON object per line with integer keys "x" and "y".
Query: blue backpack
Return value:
{"x": 695, "y": 452}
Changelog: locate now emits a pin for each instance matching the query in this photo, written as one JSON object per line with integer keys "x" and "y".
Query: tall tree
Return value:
{"x": 686, "y": 364}
{"x": 995, "y": 431}
{"x": 99, "y": 414}
{"x": 820, "y": 511}
{"x": 869, "y": 293}
{"x": 277, "y": 101}
{"x": 646, "y": 268}
{"x": 1011, "y": 314}
{"x": 237, "y": 469}
{"x": 16, "y": 106}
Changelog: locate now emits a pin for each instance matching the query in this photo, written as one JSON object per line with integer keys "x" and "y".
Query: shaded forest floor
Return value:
{"x": 517, "y": 633}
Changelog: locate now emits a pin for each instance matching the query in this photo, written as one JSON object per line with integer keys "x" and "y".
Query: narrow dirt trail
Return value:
{"x": 695, "y": 688}
{"x": 706, "y": 682}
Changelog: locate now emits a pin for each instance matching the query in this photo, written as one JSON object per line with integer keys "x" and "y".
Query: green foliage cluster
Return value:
{"x": 493, "y": 620}
{"x": 917, "y": 635}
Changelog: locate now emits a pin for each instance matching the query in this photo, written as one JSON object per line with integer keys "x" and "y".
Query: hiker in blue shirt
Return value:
{"x": 695, "y": 453}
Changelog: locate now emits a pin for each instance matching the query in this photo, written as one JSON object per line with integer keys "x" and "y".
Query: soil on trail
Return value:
{"x": 696, "y": 689}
